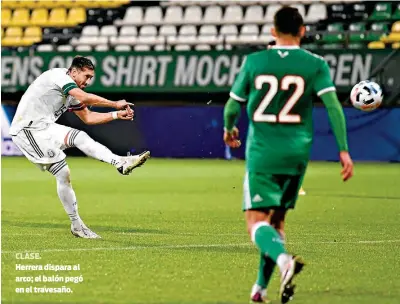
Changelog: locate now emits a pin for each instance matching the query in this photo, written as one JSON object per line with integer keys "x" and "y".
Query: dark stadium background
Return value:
{"x": 347, "y": 33}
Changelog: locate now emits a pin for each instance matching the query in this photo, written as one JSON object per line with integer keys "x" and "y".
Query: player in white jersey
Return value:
{"x": 35, "y": 131}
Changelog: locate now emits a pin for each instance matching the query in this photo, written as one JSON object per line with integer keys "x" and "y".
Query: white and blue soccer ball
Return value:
{"x": 366, "y": 96}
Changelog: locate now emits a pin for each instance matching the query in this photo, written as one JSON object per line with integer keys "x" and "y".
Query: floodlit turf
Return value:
{"x": 173, "y": 232}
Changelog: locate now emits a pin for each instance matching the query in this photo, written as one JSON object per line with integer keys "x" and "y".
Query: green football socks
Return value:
{"x": 268, "y": 240}
{"x": 265, "y": 271}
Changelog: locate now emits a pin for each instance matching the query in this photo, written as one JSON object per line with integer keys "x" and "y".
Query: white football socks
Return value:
{"x": 257, "y": 288}
{"x": 66, "y": 193}
{"x": 282, "y": 261}
{"x": 93, "y": 149}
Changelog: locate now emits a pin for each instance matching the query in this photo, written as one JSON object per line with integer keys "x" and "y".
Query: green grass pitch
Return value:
{"x": 173, "y": 233}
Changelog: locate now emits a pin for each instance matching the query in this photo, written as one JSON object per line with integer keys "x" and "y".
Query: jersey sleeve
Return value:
{"x": 241, "y": 86}
{"x": 337, "y": 119}
{"x": 76, "y": 105}
{"x": 64, "y": 81}
{"x": 323, "y": 82}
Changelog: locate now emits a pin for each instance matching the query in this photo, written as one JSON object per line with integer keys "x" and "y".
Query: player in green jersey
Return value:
{"x": 278, "y": 85}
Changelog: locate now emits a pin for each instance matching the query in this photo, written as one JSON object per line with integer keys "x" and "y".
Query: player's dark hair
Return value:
{"x": 288, "y": 21}
{"x": 80, "y": 62}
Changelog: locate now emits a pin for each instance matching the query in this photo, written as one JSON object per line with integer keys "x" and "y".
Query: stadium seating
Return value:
{"x": 194, "y": 24}
{"x": 76, "y": 15}
{"x": 394, "y": 36}
{"x": 193, "y": 14}
{"x": 32, "y": 34}
{"x": 357, "y": 32}
{"x": 396, "y": 14}
{"x": 20, "y": 17}
{"x": 376, "y": 45}
{"x": 46, "y": 14}
{"x": 39, "y": 17}
{"x": 334, "y": 33}
{"x": 5, "y": 17}
{"x": 49, "y": 4}
{"x": 382, "y": 11}
{"x": 378, "y": 29}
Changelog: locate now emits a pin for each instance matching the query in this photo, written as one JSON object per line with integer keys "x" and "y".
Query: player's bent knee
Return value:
{"x": 82, "y": 134}
{"x": 60, "y": 170}
{"x": 255, "y": 216}
{"x": 64, "y": 175}
{"x": 76, "y": 137}
{"x": 83, "y": 139}
{"x": 254, "y": 227}
{"x": 67, "y": 175}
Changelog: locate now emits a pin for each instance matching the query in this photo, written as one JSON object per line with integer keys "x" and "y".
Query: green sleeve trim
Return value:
{"x": 68, "y": 87}
{"x": 231, "y": 114}
{"x": 336, "y": 118}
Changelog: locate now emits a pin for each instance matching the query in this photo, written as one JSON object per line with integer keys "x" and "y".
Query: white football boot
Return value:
{"x": 83, "y": 231}
{"x": 128, "y": 163}
{"x": 292, "y": 268}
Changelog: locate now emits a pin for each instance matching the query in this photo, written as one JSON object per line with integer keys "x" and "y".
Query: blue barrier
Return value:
{"x": 373, "y": 136}
{"x": 196, "y": 132}
{"x": 8, "y": 148}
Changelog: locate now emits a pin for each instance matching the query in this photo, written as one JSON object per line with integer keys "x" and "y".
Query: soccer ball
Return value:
{"x": 366, "y": 95}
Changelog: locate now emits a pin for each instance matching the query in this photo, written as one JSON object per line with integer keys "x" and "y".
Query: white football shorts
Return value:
{"x": 45, "y": 147}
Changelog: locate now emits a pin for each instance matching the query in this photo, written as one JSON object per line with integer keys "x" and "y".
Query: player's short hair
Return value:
{"x": 288, "y": 21}
{"x": 80, "y": 62}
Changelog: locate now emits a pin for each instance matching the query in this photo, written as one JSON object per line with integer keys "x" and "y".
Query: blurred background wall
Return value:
{"x": 176, "y": 60}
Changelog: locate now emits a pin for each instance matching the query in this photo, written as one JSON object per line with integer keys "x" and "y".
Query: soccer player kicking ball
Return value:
{"x": 278, "y": 84}
{"x": 42, "y": 141}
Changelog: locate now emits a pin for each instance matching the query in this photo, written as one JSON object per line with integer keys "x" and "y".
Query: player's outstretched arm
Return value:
{"x": 238, "y": 93}
{"x": 94, "y": 100}
{"x": 338, "y": 124}
{"x": 336, "y": 118}
{"x": 95, "y": 118}
{"x": 231, "y": 113}
{"x": 231, "y": 116}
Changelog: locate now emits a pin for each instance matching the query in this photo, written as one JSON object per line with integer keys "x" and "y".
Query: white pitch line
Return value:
{"x": 20, "y": 234}
{"x": 132, "y": 248}
{"x": 183, "y": 233}
{"x": 302, "y": 235}
{"x": 347, "y": 242}
{"x": 378, "y": 242}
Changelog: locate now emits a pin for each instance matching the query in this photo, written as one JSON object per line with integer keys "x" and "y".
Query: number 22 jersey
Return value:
{"x": 278, "y": 85}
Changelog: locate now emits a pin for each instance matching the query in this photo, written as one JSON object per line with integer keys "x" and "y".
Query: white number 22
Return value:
{"x": 283, "y": 116}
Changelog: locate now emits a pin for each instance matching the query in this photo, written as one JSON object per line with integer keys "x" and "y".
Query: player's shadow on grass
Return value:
{"x": 64, "y": 226}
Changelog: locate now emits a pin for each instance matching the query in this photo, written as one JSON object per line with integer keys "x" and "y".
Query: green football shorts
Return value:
{"x": 270, "y": 191}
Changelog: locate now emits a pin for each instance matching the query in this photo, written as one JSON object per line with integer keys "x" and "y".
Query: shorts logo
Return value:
{"x": 51, "y": 153}
{"x": 257, "y": 198}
